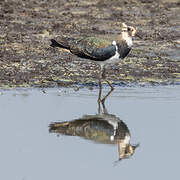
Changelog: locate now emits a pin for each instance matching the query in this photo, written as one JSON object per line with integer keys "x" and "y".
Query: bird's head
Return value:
{"x": 128, "y": 151}
{"x": 131, "y": 149}
{"x": 131, "y": 31}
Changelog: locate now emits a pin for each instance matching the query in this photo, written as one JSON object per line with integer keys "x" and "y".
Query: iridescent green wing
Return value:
{"x": 93, "y": 48}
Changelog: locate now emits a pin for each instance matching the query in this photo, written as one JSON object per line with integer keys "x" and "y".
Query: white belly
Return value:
{"x": 114, "y": 59}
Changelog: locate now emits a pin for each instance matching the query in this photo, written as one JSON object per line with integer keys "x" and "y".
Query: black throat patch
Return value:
{"x": 123, "y": 50}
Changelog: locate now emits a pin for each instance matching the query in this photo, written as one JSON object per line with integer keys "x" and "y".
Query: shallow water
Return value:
{"x": 28, "y": 151}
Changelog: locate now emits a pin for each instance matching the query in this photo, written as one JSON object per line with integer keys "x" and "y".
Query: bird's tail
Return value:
{"x": 54, "y": 43}
{"x": 62, "y": 42}
{"x": 59, "y": 127}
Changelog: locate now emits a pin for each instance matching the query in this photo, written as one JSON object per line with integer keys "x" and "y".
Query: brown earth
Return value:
{"x": 27, "y": 60}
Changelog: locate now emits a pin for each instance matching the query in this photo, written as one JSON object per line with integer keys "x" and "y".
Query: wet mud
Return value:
{"x": 26, "y": 27}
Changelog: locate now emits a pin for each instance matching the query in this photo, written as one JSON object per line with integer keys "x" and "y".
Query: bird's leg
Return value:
{"x": 104, "y": 98}
{"x": 103, "y": 77}
{"x": 104, "y": 108}
{"x": 99, "y": 107}
{"x": 103, "y": 72}
{"x": 100, "y": 89}
{"x": 112, "y": 88}
{"x": 100, "y": 83}
{"x": 100, "y": 92}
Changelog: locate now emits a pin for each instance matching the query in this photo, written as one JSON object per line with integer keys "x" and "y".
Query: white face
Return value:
{"x": 129, "y": 29}
{"x": 129, "y": 41}
{"x": 127, "y": 33}
{"x": 124, "y": 27}
{"x": 127, "y": 139}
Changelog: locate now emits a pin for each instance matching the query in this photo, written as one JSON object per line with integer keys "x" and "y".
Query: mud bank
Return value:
{"x": 27, "y": 60}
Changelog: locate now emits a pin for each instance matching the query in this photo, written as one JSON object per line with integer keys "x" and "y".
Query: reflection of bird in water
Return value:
{"x": 102, "y": 128}
{"x": 100, "y": 51}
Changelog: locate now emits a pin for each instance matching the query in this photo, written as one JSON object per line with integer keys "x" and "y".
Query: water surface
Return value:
{"x": 29, "y": 152}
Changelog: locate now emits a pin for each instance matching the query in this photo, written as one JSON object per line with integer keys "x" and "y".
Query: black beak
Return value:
{"x": 116, "y": 162}
{"x": 136, "y": 146}
{"x": 139, "y": 35}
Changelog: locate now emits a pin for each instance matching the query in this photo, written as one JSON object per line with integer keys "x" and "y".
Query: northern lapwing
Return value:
{"x": 100, "y": 51}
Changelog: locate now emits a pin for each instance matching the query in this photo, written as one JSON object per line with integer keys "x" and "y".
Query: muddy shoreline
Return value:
{"x": 27, "y": 60}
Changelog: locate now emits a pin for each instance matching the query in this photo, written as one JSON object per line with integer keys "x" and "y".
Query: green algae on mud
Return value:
{"x": 26, "y": 60}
